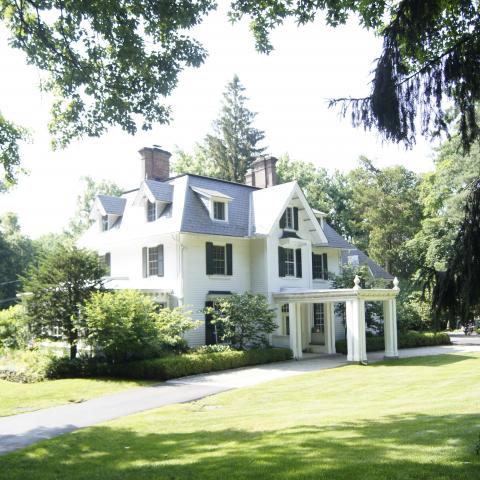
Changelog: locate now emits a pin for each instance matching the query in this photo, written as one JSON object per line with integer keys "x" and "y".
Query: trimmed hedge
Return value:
{"x": 169, "y": 367}
{"x": 406, "y": 340}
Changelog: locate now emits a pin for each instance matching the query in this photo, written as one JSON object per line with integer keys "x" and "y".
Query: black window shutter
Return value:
{"x": 283, "y": 220}
{"x": 144, "y": 262}
{"x": 295, "y": 218}
{"x": 160, "y": 261}
{"x": 281, "y": 262}
{"x": 325, "y": 267}
{"x": 314, "y": 275}
{"x": 108, "y": 263}
{"x": 209, "y": 254}
{"x": 298, "y": 260}
{"x": 229, "y": 259}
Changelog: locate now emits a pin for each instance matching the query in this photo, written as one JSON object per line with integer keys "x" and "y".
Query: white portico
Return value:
{"x": 354, "y": 300}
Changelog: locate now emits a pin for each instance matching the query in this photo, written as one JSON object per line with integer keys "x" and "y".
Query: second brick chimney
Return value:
{"x": 263, "y": 172}
{"x": 155, "y": 163}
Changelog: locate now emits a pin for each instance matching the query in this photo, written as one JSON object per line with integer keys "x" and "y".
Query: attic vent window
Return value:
{"x": 219, "y": 211}
{"x": 151, "y": 211}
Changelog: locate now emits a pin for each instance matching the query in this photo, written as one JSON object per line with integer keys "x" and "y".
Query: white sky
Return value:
{"x": 288, "y": 89}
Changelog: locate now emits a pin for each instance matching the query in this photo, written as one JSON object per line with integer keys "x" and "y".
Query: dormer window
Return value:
{"x": 151, "y": 211}
{"x": 289, "y": 218}
{"x": 104, "y": 223}
{"x": 219, "y": 211}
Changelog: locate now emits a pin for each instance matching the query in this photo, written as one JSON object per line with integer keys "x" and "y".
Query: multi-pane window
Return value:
{"x": 104, "y": 223}
{"x": 219, "y": 210}
{"x": 289, "y": 262}
{"x": 319, "y": 266}
{"x": 151, "y": 211}
{"x": 152, "y": 261}
{"x": 218, "y": 259}
{"x": 286, "y": 319}
{"x": 289, "y": 218}
{"x": 319, "y": 316}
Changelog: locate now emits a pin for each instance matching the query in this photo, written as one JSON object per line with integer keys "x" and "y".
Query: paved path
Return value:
{"x": 21, "y": 430}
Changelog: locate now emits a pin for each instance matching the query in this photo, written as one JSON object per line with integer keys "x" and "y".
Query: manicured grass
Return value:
{"x": 417, "y": 418}
{"x": 24, "y": 397}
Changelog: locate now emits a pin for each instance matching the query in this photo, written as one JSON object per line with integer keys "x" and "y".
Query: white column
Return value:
{"x": 330, "y": 327}
{"x": 356, "y": 344}
{"x": 295, "y": 330}
{"x": 390, "y": 328}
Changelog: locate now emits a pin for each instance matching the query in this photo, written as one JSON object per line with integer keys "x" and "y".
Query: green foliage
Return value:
{"x": 405, "y": 340}
{"x": 243, "y": 320}
{"x": 85, "y": 201}
{"x": 57, "y": 288}
{"x": 17, "y": 252}
{"x": 429, "y": 54}
{"x": 25, "y": 366}
{"x": 125, "y": 325}
{"x": 14, "y": 331}
{"x": 106, "y": 63}
{"x": 10, "y": 136}
{"x": 192, "y": 364}
{"x": 215, "y": 348}
{"x": 228, "y": 152}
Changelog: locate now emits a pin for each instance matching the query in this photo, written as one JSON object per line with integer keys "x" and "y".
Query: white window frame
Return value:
{"x": 225, "y": 210}
{"x": 224, "y": 248}
{"x": 147, "y": 209}
{"x": 151, "y": 261}
{"x": 319, "y": 321}
{"x": 289, "y": 225}
{"x": 290, "y": 262}
{"x": 285, "y": 314}
{"x": 104, "y": 223}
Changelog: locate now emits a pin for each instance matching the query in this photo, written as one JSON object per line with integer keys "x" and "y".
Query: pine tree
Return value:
{"x": 233, "y": 146}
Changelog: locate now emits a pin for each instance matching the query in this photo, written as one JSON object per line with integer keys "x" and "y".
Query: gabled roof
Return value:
{"x": 109, "y": 205}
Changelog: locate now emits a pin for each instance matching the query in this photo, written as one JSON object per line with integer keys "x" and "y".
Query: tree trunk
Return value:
{"x": 73, "y": 351}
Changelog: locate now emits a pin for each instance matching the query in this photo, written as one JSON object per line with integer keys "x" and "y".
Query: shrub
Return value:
{"x": 126, "y": 325}
{"x": 219, "y": 347}
{"x": 243, "y": 320}
{"x": 25, "y": 366}
{"x": 406, "y": 340}
{"x": 173, "y": 366}
{"x": 14, "y": 333}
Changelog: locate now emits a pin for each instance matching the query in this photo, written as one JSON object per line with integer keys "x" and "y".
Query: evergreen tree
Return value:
{"x": 233, "y": 145}
{"x": 58, "y": 287}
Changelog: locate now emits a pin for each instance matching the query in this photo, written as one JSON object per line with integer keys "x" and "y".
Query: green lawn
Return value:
{"x": 411, "y": 419}
{"x": 24, "y": 397}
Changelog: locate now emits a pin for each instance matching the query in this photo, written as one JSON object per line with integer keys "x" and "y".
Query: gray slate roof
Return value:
{"x": 112, "y": 205}
{"x": 163, "y": 192}
{"x": 196, "y": 217}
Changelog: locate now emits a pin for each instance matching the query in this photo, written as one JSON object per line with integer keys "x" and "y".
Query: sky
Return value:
{"x": 288, "y": 89}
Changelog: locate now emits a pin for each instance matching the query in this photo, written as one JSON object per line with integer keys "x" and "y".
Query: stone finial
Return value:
{"x": 395, "y": 284}
{"x": 356, "y": 281}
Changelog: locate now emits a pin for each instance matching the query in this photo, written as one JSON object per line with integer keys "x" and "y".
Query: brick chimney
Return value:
{"x": 263, "y": 172}
{"x": 155, "y": 163}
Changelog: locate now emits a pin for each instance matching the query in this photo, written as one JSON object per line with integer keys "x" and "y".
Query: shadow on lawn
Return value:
{"x": 403, "y": 448}
{"x": 424, "y": 361}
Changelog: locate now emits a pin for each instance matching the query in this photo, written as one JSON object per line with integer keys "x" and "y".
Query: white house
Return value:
{"x": 189, "y": 239}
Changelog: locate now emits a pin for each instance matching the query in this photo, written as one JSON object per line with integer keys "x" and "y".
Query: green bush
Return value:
{"x": 126, "y": 325}
{"x": 173, "y": 366}
{"x": 405, "y": 340}
{"x": 25, "y": 366}
{"x": 218, "y": 347}
{"x": 14, "y": 331}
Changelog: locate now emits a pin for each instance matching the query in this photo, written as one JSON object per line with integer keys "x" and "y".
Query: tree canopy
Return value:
{"x": 430, "y": 53}
{"x": 105, "y": 63}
